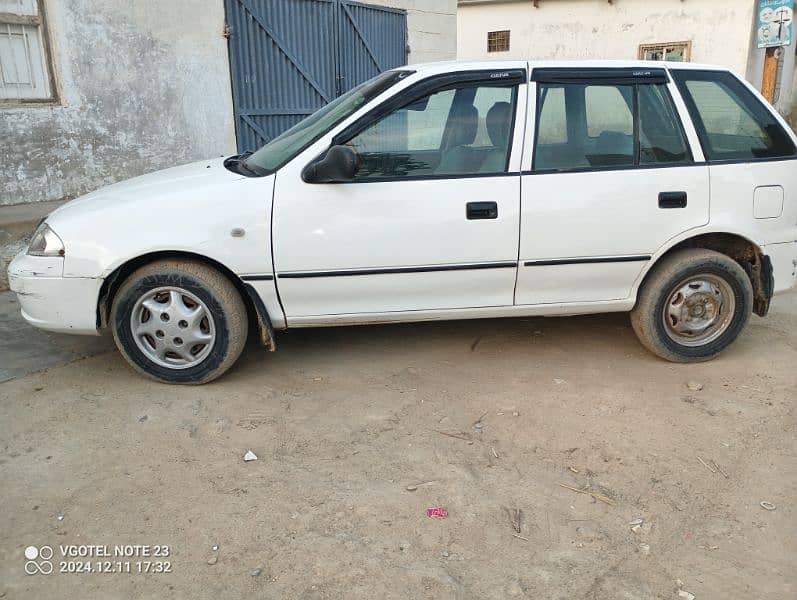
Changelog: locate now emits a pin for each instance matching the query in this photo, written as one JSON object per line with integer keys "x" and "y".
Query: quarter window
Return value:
{"x": 602, "y": 126}
{"x": 457, "y": 131}
{"x": 25, "y": 70}
{"x": 731, "y": 122}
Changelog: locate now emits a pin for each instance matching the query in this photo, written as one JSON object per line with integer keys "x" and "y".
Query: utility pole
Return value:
{"x": 774, "y": 32}
{"x": 770, "y": 75}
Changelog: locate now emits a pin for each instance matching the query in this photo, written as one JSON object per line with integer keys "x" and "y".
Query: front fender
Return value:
{"x": 195, "y": 220}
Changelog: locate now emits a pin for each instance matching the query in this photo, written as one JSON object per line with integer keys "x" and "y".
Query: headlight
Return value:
{"x": 45, "y": 243}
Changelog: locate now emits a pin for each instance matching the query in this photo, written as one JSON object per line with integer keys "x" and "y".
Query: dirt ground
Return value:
{"x": 359, "y": 430}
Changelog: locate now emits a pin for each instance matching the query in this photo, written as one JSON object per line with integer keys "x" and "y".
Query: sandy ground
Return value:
{"x": 484, "y": 418}
{"x": 24, "y": 349}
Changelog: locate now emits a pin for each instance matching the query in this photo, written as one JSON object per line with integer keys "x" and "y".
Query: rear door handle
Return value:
{"x": 672, "y": 200}
{"x": 482, "y": 210}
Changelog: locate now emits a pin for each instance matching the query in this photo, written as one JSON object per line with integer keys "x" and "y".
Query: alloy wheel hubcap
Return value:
{"x": 172, "y": 327}
{"x": 699, "y": 310}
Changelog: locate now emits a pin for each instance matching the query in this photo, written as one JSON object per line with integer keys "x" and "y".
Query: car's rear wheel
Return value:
{"x": 693, "y": 305}
{"x": 179, "y": 322}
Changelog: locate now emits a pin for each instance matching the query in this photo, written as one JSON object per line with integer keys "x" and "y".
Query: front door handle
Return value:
{"x": 672, "y": 200}
{"x": 482, "y": 210}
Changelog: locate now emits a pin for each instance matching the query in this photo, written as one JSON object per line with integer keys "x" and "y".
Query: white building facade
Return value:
{"x": 705, "y": 31}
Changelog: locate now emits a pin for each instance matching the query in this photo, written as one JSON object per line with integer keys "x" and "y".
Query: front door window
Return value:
{"x": 458, "y": 131}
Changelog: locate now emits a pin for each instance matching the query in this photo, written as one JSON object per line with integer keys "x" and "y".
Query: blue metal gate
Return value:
{"x": 290, "y": 57}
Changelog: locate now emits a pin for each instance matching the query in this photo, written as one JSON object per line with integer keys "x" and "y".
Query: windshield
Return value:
{"x": 288, "y": 144}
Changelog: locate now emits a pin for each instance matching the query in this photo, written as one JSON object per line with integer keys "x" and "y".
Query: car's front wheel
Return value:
{"x": 693, "y": 305}
{"x": 179, "y": 321}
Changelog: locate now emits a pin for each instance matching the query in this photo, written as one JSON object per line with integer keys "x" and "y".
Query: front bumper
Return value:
{"x": 784, "y": 265}
{"x": 50, "y": 301}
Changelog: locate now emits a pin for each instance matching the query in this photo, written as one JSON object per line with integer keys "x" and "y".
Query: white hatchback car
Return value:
{"x": 444, "y": 191}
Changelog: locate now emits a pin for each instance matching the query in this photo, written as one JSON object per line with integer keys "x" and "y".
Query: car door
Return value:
{"x": 614, "y": 175}
{"x": 431, "y": 219}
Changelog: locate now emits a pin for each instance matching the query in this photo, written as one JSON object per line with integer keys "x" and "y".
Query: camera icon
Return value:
{"x": 37, "y": 560}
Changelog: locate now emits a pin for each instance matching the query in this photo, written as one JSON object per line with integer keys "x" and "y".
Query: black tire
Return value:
{"x": 224, "y": 305}
{"x": 648, "y": 316}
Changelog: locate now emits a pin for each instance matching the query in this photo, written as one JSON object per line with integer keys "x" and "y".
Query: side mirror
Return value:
{"x": 339, "y": 164}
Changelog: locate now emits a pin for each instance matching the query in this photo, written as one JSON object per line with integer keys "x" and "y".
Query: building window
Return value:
{"x": 25, "y": 69}
{"x": 672, "y": 52}
{"x": 498, "y": 41}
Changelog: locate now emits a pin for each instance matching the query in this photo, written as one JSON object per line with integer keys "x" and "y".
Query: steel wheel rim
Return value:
{"x": 699, "y": 310}
{"x": 173, "y": 327}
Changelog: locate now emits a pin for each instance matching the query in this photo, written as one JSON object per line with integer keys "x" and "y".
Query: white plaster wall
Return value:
{"x": 787, "y": 96}
{"x": 792, "y": 116}
{"x": 581, "y": 29}
{"x": 432, "y": 28}
{"x": 143, "y": 85}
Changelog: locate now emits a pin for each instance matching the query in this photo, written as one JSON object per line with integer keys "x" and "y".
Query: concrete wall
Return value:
{"x": 787, "y": 101}
{"x": 793, "y": 112}
{"x": 578, "y": 29}
{"x": 143, "y": 85}
{"x": 432, "y": 26}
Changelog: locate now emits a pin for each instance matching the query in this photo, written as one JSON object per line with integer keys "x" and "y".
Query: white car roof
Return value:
{"x": 458, "y": 65}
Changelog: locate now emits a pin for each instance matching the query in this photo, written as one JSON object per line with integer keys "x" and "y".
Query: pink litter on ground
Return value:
{"x": 437, "y": 511}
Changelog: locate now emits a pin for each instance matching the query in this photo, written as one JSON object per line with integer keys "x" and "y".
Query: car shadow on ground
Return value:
{"x": 532, "y": 336}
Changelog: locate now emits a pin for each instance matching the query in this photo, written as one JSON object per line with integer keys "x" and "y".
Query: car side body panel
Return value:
{"x": 204, "y": 210}
{"x": 586, "y": 236}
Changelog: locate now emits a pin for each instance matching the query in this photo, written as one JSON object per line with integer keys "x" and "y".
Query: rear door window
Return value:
{"x": 552, "y": 122}
{"x": 594, "y": 126}
{"x": 731, "y": 122}
{"x": 609, "y": 109}
{"x": 661, "y": 136}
